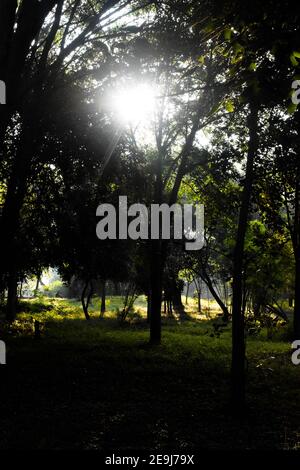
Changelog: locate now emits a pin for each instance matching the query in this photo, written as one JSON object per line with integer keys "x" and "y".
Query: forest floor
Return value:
{"x": 99, "y": 385}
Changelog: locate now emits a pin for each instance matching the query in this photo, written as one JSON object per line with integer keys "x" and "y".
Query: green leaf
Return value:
{"x": 238, "y": 48}
{"x": 252, "y": 66}
{"x": 293, "y": 60}
{"x": 227, "y": 34}
{"x": 229, "y": 106}
{"x": 201, "y": 59}
{"x": 238, "y": 51}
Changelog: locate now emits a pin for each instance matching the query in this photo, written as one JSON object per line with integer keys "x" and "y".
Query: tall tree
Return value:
{"x": 45, "y": 45}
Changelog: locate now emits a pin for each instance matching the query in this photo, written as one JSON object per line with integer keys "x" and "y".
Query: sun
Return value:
{"x": 134, "y": 104}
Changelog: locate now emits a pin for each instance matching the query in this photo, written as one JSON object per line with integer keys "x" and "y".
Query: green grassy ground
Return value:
{"x": 99, "y": 385}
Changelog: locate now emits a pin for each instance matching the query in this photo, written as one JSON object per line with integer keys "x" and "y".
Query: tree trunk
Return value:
{"x": 21, "y": 290}
{"x": 238, "y": 334}
{"x": 159, "y": 248}
{"x": 215, "y": 295}
{"x": 187, "y": 293}
{"x": 156, "y": 277}
{"x": 148, "y": 306}
{"x": 37, "y": 284}
{"x": 103, "y": 298}
{"x": 199, "y": 300}
{"x": 11, "y": 306}
{"x": 176, "y": 297}
{"x": 170, "y": 308}
{"x": 85, "y": 305}
{"x": 156, "y": 265}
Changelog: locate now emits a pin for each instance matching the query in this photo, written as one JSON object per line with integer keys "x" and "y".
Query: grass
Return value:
{"x": 99, "y": 385}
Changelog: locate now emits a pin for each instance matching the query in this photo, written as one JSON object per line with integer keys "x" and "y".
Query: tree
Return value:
{"x": 278, "y": 187}
{"x": 40, "y": 54}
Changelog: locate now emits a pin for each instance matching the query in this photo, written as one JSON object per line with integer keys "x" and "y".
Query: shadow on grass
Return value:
{"x": 98, "y": 384}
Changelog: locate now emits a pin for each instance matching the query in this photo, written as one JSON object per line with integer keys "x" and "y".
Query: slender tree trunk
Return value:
{"x": 11, "y": 306}
{"x": 225, "y": 293}
{"x": 156, "y": 277}
{"x": 187, "y": 293}
{"x": 148, "y": 306}
{"x": 215, "y": 295}
{"x": 21, "y": 290}
{"x": 103, "y": 299}
{"x": 38, "y": 279}
{"x": 84, "y": 303}
{"x": 90, "y": 295}
{"x": 157, "y": 265}
{"x": 159, "y": 249}
{"x": 176, "y": 297}
{"x": 238, "y": 335}
{"x": 170, "y": 309}
{"x": 199, "y": 300}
